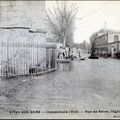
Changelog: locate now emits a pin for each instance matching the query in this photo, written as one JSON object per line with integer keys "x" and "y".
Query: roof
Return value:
{"x": 114, "y": 33}
{"x": 100, "y": 34}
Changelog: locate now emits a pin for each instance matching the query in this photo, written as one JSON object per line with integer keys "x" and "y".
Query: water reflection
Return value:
{"x": 65, "y": 66}
{"x": 26, "y": 92}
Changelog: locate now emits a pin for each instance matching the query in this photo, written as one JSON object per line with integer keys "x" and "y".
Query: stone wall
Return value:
{"x": 17, "y": 19}
{"x": 21, "y": 49}
{"x": 22, "y": 13}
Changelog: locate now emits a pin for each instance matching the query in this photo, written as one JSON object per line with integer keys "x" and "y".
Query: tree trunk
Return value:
{"x": 64, "y": 41}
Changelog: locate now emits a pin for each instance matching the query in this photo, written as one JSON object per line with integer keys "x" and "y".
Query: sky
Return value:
{"x": 93, "y": 15}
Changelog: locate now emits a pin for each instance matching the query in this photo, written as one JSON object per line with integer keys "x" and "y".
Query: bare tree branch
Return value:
{"x": 62, "y": 22}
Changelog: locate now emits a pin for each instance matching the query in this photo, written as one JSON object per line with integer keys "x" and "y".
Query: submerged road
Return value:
{"x": 79, "y": 85}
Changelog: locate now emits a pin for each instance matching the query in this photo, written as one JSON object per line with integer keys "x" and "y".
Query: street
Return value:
{"x": 60, "y": 59}
{"x": 80, "y": 85}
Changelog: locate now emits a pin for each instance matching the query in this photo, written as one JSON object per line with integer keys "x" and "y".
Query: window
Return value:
{"x": 116, "y": 38}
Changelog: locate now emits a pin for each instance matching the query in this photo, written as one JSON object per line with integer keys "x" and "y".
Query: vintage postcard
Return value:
{"x": 59, "y": 59}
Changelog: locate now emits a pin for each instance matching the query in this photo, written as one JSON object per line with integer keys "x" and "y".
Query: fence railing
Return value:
{"x": 24, "y": 59}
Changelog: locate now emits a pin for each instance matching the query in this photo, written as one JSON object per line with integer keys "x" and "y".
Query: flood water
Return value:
{"x": 77, "y": 85}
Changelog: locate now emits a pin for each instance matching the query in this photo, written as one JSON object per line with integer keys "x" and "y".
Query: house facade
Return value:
{"x": 107, "y": 43}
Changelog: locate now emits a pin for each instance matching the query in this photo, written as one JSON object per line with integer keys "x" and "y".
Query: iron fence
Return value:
{"x": 24, "y": 59}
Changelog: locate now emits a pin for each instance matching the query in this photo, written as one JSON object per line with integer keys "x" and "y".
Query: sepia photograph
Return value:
{"x": 59, "y": 59}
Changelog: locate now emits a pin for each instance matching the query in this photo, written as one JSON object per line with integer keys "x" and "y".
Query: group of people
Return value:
{"x": 68, "y": 53}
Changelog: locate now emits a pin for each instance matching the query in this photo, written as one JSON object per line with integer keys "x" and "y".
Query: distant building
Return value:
{"x": 84, "y": 46}
{"x": 107, "y": 43}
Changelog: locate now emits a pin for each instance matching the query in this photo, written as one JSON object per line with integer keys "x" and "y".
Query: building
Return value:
{"x": 23, "y": 44}
{"x": 107, "y": 43}
{"x": 22, "y": 14}
{"x": 84, "y": 46}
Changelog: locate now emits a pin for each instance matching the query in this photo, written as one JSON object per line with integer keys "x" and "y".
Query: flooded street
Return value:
{"x": 79, "y": 85}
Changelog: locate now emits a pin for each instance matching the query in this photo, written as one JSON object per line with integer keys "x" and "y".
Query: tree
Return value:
{"x": 92, "y": 41}
{"x": 61, "y": 21}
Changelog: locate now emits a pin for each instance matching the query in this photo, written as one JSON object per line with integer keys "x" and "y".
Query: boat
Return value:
{"x": 93, "y": 57}
{"x": 82, "y": 58}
